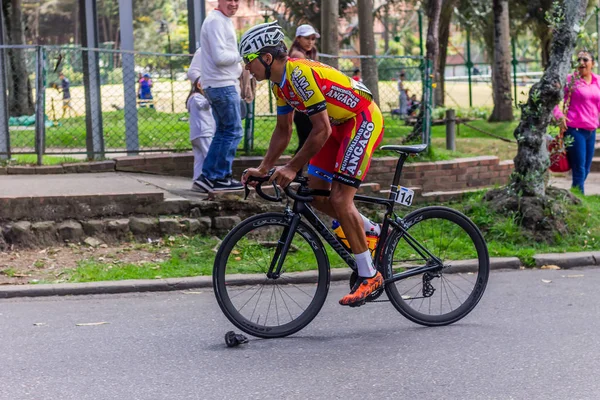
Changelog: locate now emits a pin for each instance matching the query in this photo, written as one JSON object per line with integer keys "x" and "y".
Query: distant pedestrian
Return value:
{"x": 402, "y": 97}
{"x": 303, "y": 47}
{"x": 582, "y": 99}
{"x": 202, "y": 129}
{"x": 356, "y": 75}
{"x": 65, "y": 85}
{"x": 146, "y": 98}
{"x": 220, "y": 66}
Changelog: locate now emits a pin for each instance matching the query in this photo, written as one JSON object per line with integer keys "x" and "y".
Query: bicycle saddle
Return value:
{"x": 408, "y": 149}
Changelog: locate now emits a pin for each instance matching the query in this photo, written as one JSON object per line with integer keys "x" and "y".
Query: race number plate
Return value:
{"x": 404, "y": 196}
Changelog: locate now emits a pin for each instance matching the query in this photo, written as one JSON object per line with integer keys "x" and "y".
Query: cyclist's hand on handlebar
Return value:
{"x": 283, "y": 176}
{"x": 252, "y": 172}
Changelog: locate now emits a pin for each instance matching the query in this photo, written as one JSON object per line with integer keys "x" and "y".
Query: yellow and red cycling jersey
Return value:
{"x": 357, "y": 124}
{"x": 311, "y": 87}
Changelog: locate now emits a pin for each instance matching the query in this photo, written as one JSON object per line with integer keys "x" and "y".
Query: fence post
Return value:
{"x": 4, "y": 133}
{"x": 427, "y": 89}
{"x": 450, "y": 129}
{"x": 420, "y": 14}
{"x": 469, "y": 66}
{"x": 40, "y": 114}
{"x": 249, "y": 127}
{"x": 91, "y": 80}
{"x": 129, "y": 78}
{"x": 597, "y": 34}
{"x": 514, "y": 63}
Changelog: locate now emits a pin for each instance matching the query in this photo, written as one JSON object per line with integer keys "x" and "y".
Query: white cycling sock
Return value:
{"x": 370, "y": 226}
{"x": 364, "y": 262}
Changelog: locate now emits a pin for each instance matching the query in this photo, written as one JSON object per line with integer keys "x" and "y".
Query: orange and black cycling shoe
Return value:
{"x": 361, "y": 290}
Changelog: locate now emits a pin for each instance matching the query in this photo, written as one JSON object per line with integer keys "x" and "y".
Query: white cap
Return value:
{"x": 306, "y": 30}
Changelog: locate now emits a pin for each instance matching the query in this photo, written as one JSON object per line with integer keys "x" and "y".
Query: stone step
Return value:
{"x": 595, "y": 164}
{"x": 39, "y": 208}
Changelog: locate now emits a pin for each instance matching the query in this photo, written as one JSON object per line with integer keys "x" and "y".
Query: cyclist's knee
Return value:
{"x": 341, "y": 201}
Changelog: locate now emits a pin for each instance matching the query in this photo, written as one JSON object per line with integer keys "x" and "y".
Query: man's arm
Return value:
{"x": 220, "y": 49}
{"x": 316, "y": 139}
{"x": 279, "y": 141}
{"x": 194, "y": 69}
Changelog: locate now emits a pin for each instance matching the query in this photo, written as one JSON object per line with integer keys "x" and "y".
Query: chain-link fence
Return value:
{"x": 136, "y": 103}
{"x": 139, "y": 109}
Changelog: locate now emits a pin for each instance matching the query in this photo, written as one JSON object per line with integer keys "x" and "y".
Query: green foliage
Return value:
{"x": 555, "y": 16}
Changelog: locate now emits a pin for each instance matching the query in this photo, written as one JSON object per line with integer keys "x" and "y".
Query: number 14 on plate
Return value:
{"x": 404, "y": 196}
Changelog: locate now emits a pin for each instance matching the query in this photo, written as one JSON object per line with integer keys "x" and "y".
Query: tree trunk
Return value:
{"x": 329, "y": 31}
{"x": 432, "y": 45}
{"x": 368, "y": 66}
{"x": 501, "y": 66}
{"x": 386, "y": 27}
{"x": 445, "y": 19}
{"x": 531, "y": 162}
{"x": 20, "y": 100}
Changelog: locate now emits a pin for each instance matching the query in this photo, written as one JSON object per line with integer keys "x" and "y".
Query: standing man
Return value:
{"x": 220, "y": 70}
{"x": 65, "y": 85}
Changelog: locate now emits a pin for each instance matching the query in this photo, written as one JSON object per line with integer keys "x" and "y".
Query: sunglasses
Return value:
{"x": 584, "y": 59}
{"x": 250, "y": 57}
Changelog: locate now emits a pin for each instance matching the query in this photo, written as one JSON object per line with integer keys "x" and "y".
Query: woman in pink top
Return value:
{"x": 582, "y": 117}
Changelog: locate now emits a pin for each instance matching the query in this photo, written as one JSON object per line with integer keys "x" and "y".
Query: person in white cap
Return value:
{"x": 304, "y": 43}
{"x": 303, "y": 47}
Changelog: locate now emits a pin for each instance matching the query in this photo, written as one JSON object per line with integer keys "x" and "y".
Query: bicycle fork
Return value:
{"x": 283, "y": 246}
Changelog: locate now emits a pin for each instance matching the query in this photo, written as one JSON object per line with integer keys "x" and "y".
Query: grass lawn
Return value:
{"x": 192, "y": 256}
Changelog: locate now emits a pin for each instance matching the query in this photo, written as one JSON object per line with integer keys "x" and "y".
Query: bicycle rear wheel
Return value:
{"x": 262, "y": 306}
{"x": 449, "y": 293}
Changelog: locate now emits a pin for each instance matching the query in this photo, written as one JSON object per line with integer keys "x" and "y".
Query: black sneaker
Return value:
{"x": 227, "y": 184}
{"x": 196, "y": 187}
{"x": 205, "y": 183}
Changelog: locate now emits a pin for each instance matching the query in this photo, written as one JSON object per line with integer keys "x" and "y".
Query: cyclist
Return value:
{"x": 347, "y": 127}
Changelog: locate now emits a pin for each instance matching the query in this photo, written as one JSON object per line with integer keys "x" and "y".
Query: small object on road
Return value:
{"x": 39, "y": 324}
{"x": 546, "y": 281}
{"x": 549, "y": 267}
{"x": 232, "y": 339}
{"x": 92, "y": 323}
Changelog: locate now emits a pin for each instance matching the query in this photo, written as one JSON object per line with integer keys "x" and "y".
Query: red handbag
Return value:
{"x": 558, "y": 155}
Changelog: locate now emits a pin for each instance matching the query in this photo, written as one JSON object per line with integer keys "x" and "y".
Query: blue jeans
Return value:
{"x": 225, "y": 104}
{"x": 580, "y": 154}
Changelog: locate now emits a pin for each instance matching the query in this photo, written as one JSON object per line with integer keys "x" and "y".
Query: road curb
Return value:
{"x": 563, "y": 260}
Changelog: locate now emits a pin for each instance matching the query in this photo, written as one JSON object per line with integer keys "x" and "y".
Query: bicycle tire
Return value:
{"x": 411, "y": 296}
{"x": 245, "y": 242}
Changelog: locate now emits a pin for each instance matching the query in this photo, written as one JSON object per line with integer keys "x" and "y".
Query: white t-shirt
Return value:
{"x": 220, "y": 61}
{"x": 202, "y": 123}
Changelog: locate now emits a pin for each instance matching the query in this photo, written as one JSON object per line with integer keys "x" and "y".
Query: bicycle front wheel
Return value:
{"x": 446, "y": 294}
{"x": 263, "y": 306}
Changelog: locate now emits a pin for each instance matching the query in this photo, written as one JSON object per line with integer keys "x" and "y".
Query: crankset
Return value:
{"x": 373, "y": 296}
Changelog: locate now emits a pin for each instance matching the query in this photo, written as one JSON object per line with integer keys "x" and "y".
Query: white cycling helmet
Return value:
{"x": 263, "y": 35}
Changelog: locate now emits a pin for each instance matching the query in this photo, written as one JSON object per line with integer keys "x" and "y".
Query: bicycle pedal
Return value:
{"x": 357, "y": 304}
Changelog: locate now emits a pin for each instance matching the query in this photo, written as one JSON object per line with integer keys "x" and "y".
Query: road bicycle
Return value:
{"x": 271, "y": 274}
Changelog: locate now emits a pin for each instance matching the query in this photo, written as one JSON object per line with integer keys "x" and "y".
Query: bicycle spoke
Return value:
{"x": 284, "y": 303}
{"x": 439, "y": 296}
{"x": 270, "y": 307}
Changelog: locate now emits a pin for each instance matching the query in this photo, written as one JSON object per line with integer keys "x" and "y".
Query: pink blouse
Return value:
{"x": 584, "y": 109}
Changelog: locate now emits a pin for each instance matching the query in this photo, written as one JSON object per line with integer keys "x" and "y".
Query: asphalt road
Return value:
{"x": 527, "y": 339}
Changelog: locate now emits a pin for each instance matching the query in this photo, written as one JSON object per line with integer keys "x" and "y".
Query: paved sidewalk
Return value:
{"x": 592, "y": 183}
{"x": 103, "y": 183}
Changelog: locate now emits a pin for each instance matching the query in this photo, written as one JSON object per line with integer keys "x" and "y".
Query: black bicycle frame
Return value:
{"x": 300, "y": 208}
